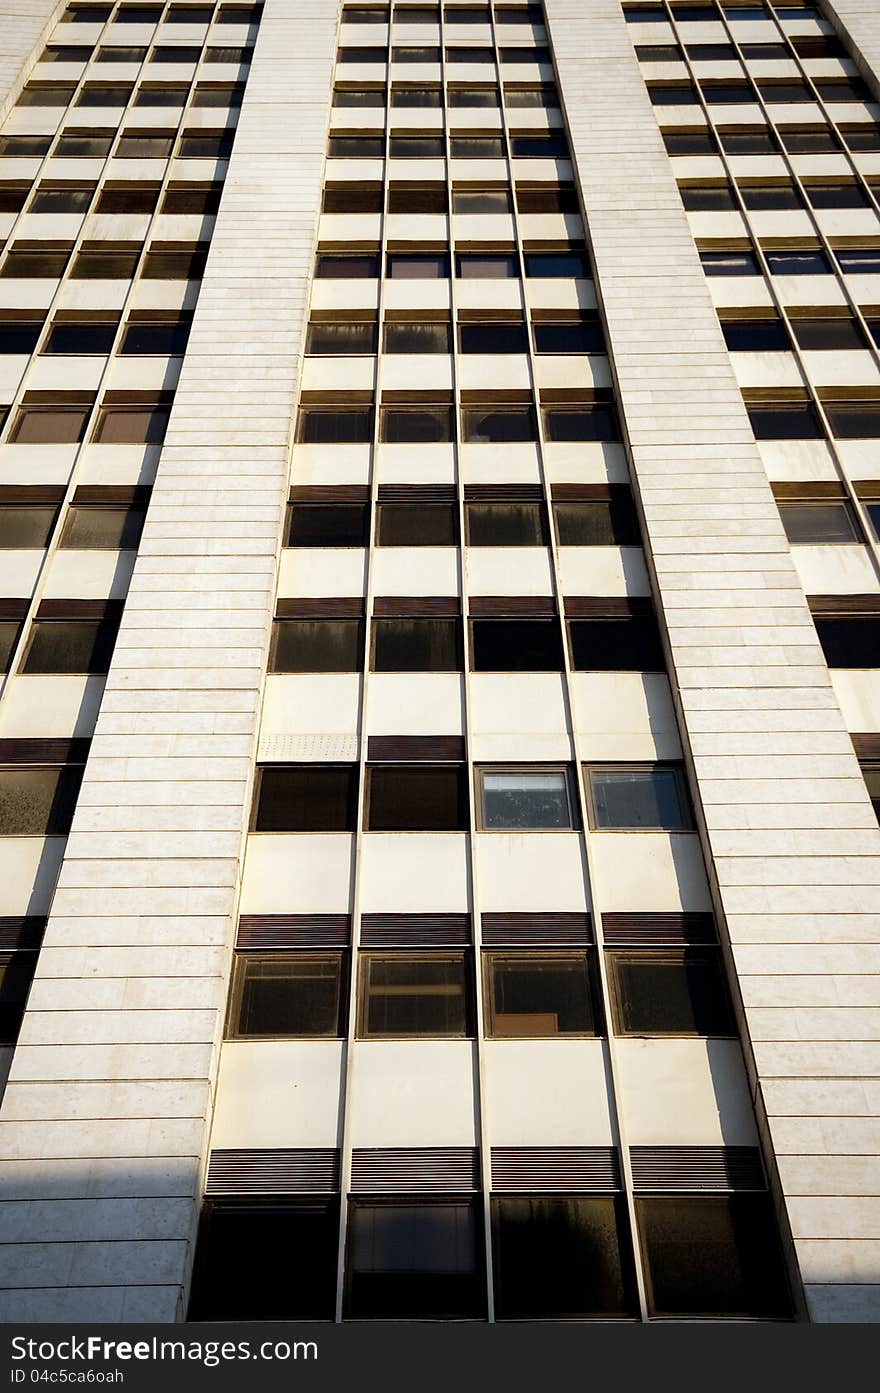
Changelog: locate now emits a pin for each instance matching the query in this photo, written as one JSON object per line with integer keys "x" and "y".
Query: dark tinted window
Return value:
{"x": 850, "y": 643}
{"x": 755, "y": 335}
{"x": 485, "y": 424}
{"x": 327, "y": 426}
{"x": 102, "y": 528}
{"x": 828, "y": 521}
{"x": 70, "y": 645}
{"x": 506, "y": 524}
{"x": 148, "y": 147}
{"x": 258, "y": 1239}
{"x": 417, "y": 645}
{"x": 595, "y": 422}
{"x": 403, "y": 994}
{"x": 809, "y": 142}
{"x": 649, "y": 798}
{"x": 93, "y": 265}
{"x": 131, "y": 425}
{"x": 498, "y": 337}
{"x": 85, "y": 337}
{"x": 784, "y": 421}
{"x": 569, "y": 336}
{"x": 427, "y": 266}
{"x": 711, "y": 198}
{"x": 26, "y": 526}
{"x": 143, "y": 338}
{"x": 414, "y": 425}
{"x": 823, "y": 334}
{"x": 729, "y": 263}
{"x": 306, "y": 798}
{"x": 405, "y": 337}
{"x": 669, "y": 991}
{"x": 854, "y": 420}
{"x": 615, "y": 645}
{"x": 37, "y": 802}
{"x": 338, "y": 340}
{"x": 517, "y": 645}
{"x": 486, "y": 266}
{"x": 748, "y": 142}
{"x": 865, "y": 261}
{"x": 798, "y": 263}
{"x": 19, "y": 335}
{"x": 75, "y": 146}
{"x": 599, "y": 524}
{"x": 289, "y": 994}
{"x": 558, "y": 1256}
{"x": 417, "y": 525}
{"x": 317, "y": 645}
{"x": 415, "y": 1260}
{"x": 689, "y": 142}
{"x": 417, "y": 798}
{"x": 354, "y": 267}
{"x": 538, "y": 994}
{"x": 770, "y": 197}
{"x": 328, "y": 525}
{"x": 558, "y": 264}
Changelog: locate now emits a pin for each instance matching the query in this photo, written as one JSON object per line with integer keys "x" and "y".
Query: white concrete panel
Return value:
{"x": 835, "y": 570}
{"x": 685, "y": 1093}
{"x": 523, "y": 1111}
{"x": 317, "y": 571}
{"x": 278, "y": 1093}
{"x": 522, "y": 871}
{"x": 409, "y": 872}
{"x": 416, "y": 571}
{"x": 416, "y": 703}
{"x": 89, "y": 575}
{"x": 57, "y": 704}
{"x": 625, "y": 715}
{"x": 650, "y": 871}
{"x": 508, "y": 570}
{"x": 413, "y": 1093}
{"x": 858, "y": 691}
{"x": 302, "y": 873}
{"x": 311, "y": 703}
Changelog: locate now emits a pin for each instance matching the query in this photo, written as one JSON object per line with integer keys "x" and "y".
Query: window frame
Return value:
{"x": 688, "y": 824}
{"x": 571, "y": 793}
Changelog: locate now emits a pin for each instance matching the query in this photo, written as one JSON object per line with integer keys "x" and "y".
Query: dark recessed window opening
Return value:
{"x": 503, "y": 524}
{"x": 495, "y": 336}
{"x": 102, "y": 527}
{"x": 417, "y": 525}
{"x": 415, "y": 1260}
{"x": 638, "y": 798}
{"x": 329, "y": 426}
{"x": 408, "y": 337}
{"x": 317, "y": 645}
{"x": 289, "y": 995}
{"x": 516, "y": 645}
{"x": 615, "y": 645}
{"x": 328, "y": 525}
{"x": 26, "y": 526}
{"x": 85, "y": 337}
{"x": 258, "y": 1239}
{"x": 597, "y": 421}
{"x": 669, "y": 991}
{"x": 569, "y": 336}
{"x": 38, "y": 801}
{"x": 558, "y": 1256}
{"x": 416, "y": 798}
{"x": 417, "y": 645}
{"x": 850, "y": 642}
{"x": 69, "y": 645}
{"x": 404, "y": 994}
{"x": 755, "y": 335}
{"x": 416, "y": 425}
{"x": 597, "y": 524}
{"x": 537, "y": 994}
{"x": 780, "y": 420}
{"x": 306, "y": 798}
{"x": 341, "y": 339}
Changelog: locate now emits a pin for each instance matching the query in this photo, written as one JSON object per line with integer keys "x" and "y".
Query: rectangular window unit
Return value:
{"x": 562, "y": 1257}
{"x": 703, "y": 198}
{"x": 819, "y": 334}
{"x": 712, "y": 1255}
{"x": 476, "y": 201}
{"x": 540, "y": 994}
{"x": 566, "y": 264}
{"x": 853, "y": 419}
{"x": 861, "y": 137}
{"x": 108, "y": 94}
{"x": 732, "y": 262}
{"x": 850, "y": 641}
{"x": 520, "y": 95}
{"x": 81, "y": 337}
{"x": 669, "y": 991}
{"x": 486, "y": 97}
{"x": 353, "y": 14}
{"x": 764, "y": 334}
{"x": 112, "y": 53}
{"x": 417, "y": 14}
{"x": 206, "y": 145}
{"x": 317, "y": 645}
{"x": 530, "y": 15}
{"x": 305, "y": 798}
{"x": 192, "y": 199}
{"x": 157, "y": 337}
{"x": 638, "y": 798}
{"x": 38, "y": 800}
{"x": 755, "y": 140}
{"x": 83, "y": 145}
{"x": 819, "y": 522}
{"x": 848, "y": 194}
{"x": 417, "y": 336}
{"x": 778, "y": 92}
{"x": 417, "y": 525}
{"x": 329, "y": 425}
{"x": 357, "y": 266}
{"x": 417, "y": 266}
{"x": 871, "y": 774}
{"x": 506, "y": 523}
{"x": 16, "y": 976}
{"x": 328, "y": 525}
{"x": 167, "y": 261}
{"x": 416, "y": 798}
{"x": 526, "y": 799}
{"x": 87, "y": 14}
{"x": 493, "y": 336}
{"x": 402, "y": 994}
{"x": 287, "y": 995}
{"x": 20, "y": 336}
{"x": 608, "y": 522}
{"x": 843, "y": 90}
{"x": 178, "y": 53}
{"x": 10, "y": 628}
{"x": 352, "y": 198}
{"x": 55, "y": 197}
{"x": 139, "y": 14}
{"x": 66, "y": 53}
{"x": 816, "y": 140}
{"x": 858, "y": 261}
{"x": 210, "y": 94}
{"x": 93, "y": 263}
{"x": 226, "y": 54}
{"x": 51, "y": 423}
{"x": 476, "y": 147}
{"x": 13, "y": 198}
{"x": 784, "y": 420}
{"x": 596, "y": 421}
{"x": 659, "y": 53}
{"x": 579, "y": 333}
{"x": 611, "y": 644}
{"x": 26, "y": 526}
{"x": 54, "y": 94}
{"x": 131, "y": 424}
{"x": 102, "y": 527}
{"x": 257, "y": 1238}
{"x": 486, "y": 266}
{"x": 673, "y": 94}
{"x": 779, "y": 196}
{"x": 409, "y": 1260}
{"x": 482, "y": 54}
{"x": 416, "y": 425}
{"x": 415, "y": 199}
{"x": 488, "y": 424}
{"x": 715, "y": 53}
{"x": 406, "y": 54}
{"x": 24, "y": 146}
{"x": 516, "y": 645}
{"x": 409, "y": 96}
{"x": 417, "y": 147}
{"x": 69, "y": 645}
{"x": 690, "y": 142}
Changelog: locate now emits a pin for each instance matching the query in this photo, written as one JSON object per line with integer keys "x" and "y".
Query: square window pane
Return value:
{"x": 639, "y": 799}
{"x": 306, "y": 798}
{"x": 415, "y": 1260}
{"x": 538, "y": 994}
{"x": 670, "y": 992}
{"x": 539, "y": 800}
{"x": 291, "y": 994}
{"x": 558, "y": 1256}
{"x": 317, "y": 645}
{"x": 70, "y": 645}
{"x": 413, "y": 994}
{"x": 517, "y": 645}
{"x": 102, "y": 528}
{"x": 416, "y": 798}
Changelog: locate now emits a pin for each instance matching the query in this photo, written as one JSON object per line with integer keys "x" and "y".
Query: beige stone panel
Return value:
{"x": 523, "y": 1111}
{"x": 413, "y": 1093}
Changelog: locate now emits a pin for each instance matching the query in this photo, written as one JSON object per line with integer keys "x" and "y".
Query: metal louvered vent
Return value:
{"x": 324, "y": 607}
{"x": 500, "y": 493}
{"x": 528, "y": 1169}
{"x": 658, "y": 929}
{"x": 415, "y": 1170}
{"x": 501, "y": 929}
{"x": 44, "y": 751}
{"x": 417, "y": 493}
{"x": 295, "y": 1172}
{"x": 293, "y": 931}
{"x": 866, "y": 746}
{"x": 674, "y": 1169}
{"x": 512, "y": 607}
{"x": 416, "y": 607}
{"x": 415, "y": 930}
{"x": 330, "y": 493}
{"x": 21, "y": 933}
{"x": 608, "y": 607}
{"x": 436, "y": 748}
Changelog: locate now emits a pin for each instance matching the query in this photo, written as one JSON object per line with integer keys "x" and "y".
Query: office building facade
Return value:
{"x": 439, "y": 562}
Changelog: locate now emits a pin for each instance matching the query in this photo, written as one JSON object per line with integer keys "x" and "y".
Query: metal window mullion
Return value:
{"x": 345, "y": 1144}
{"x": 482, "y": 1099}
{"x": 869, "y": 535}
{"x": 52, "y": 548}
{"x": 614, "y": 1076}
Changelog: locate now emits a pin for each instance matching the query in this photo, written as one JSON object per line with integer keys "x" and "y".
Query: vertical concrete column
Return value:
{"x": 104, "y": 1127}
{"x": 792, "y": 841}
{"x": 25, "y": 26}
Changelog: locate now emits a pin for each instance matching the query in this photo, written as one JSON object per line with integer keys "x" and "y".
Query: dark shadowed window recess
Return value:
{"x": 729, "y": 263}
{"x": 494, "y": 336}
{"x": 540, "y": 994}
{"x": 306, "y": 798}
{"x": 291, "y": 995}
{"x": 81, "y": 337}
{"x": 102, "y": 527}
{"x": 501, "y": 423}
{"x": 417, "y": 147}
{"x": 416, "y": 798}
{"x": 418, "y": 266}
{"x": 144, "y": 147}
{"x": 853, "y": 420}
{"x": 506, "y": 524}
{"x": 411, "y": 1260}
{"x": 341, "y": 339}
{"x": 328, "y": 525}
{"x": 357, "y": 266}
{"x": 871, "y": 773}
{"x": 589, "y": 421}
{"x": 516, "y": 645}
{"x": 405, "y": 336}
{"x": 416, "y": 425}
{"x": 417, "y": 525}
{"x": 477, "y": 202}
{"x": 806, "y": 262}
{"x": 332, "y": 426}
{"x": 558, "y": 1256}
{"x": 713, "y": 198}
{"x": 411, "y": 994}
{"x": 352, "y": 198}
{"x": 819, "y": 140}
{"x": 602, "y": 523}
{"x": 20, "y": 335}
{"x": 860, "y": 261}
{"x": 486, "y": 266}
{"x": 258, "y": 1238}
{"x": 693, "y": 142}
{"x": 784, "y": 420}
{"x": 317, "y": 645}
{"x": 131, "y": 425}
{"x": 563, "y": 265}
{"x": 850, "y": 641}
{"x": 38, "y": 801}
{"x": 50, "y": 423}
{"x": 155, "y": 337}
{"x": 26, "y": 525}
{"x": 486, "y": 97}
{"x": 55, "y": 198}
{"x": 70, "y": 645}
{"x": 758, "y": 141}
{"x": 427, "y": 97}
{"x": 583, "y": 335}
{"x": 669, "y": 991}
{"x": 712, "y": 1255}
{"x": 817, "y": 334}
{"x": 92, "y": 263}
{"x": 32, "y": 264}
{"x": 638, "y": 798}
{"x": 616, "y": 645}
{"x": 819, "y": 521}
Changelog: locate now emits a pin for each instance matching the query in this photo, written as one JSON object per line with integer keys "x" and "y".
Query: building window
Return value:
{"x": 707, "y": 198}
{"x": 245, "y": 1267}
{"x": 160, "y": 338}
{"x": 819, "y": 521}
{"x": 538, "y": 994}
{"x": 128, "y": 198}
{"x": 50, "y": 425}
{"x": 289, "y": 995}
{"x": 26, "y": 526}
{"x": 415, "y": 199}
{"x": 476, "y": 147}
{"x": 417, "y": 645}
{"x": 506, "y": 524}
{"x": 871, "y": 774}
{"x": 498, "y": 424}
{"x": 850, "y": 642}
{"x": 638, "y": 798}
{"x": 597, "y": 421}
{"x": 427, "y": 97}
{"x": 581, "y": 335}
{"x": 38, "y": 801}
{"x": 328, "y": 425}
{"x": 492, "y": 337}
{"x": 416, "y": 798}
{"x": 407, "y": 336}
{"x": 69, "y": 645}
{"x": 559, "y": 1256}
{"x": 784, "y": 420}
{"x": 102, "y": 527}
{"x": 758, "y": 140}
{"x": 306, "y": 798}
{"x": 604, "y": 523}
{"x": 730, "y": 263}
{"x": 131, "y": 425}
{"x": 486, "y": 266}
{"x": 356, "y": 266}
{"x": 561, "y": 265}
{"x": 81, "y": 337}
{"x": 341, "y": 339}
{"x": 669, "y": 991}
{"x": 147, "y": 147}
{"x": 317, "y": 645}
{"x": 50, "y": 198}
{"x": 417, "y": 147}
{"x": 415, "y": 1260}
{"x": 863, "y": 261}
{"x": 416, "y": 425}
{"x": 526, "y": 799}
{"x": 470, "y": 200}
{"x": 712, "y": 1255}
{"x": 755, "y": 335}
{"x": 328, "y": 525}
{"x": 93, "y": 264}
{"x": 404, "y": 994}
{"x": 418, "y": 266}
{"x": 853, "y": 420}
{"x": 516, "y": 645}
{"x": 817, "y": 334}
{"x": 804, "y": 262}
{"x": 615, "y": 645}
{"x": 417, "y": 525}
